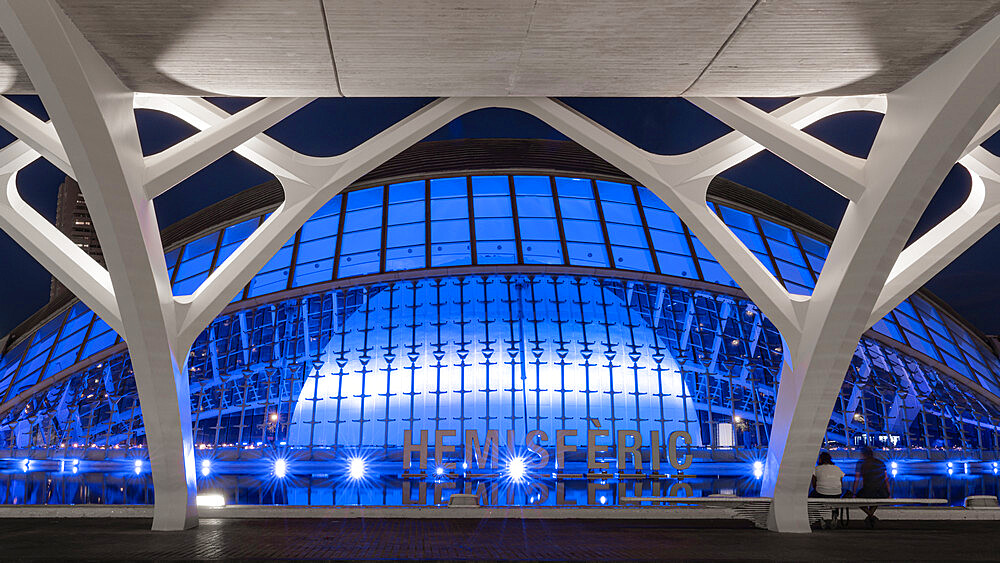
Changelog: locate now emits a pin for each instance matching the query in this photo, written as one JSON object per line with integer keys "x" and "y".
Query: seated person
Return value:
{"x": 827, "y": 482}
{"x": 870, "y": 473}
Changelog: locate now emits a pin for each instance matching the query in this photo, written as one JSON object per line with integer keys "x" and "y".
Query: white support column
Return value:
{"x": 929, "y": 123}
{"x": 93, "y": 116}
{"x": 95, "y": 140}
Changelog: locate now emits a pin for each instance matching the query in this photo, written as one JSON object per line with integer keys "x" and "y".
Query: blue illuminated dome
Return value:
{"x": 511, "y": 285}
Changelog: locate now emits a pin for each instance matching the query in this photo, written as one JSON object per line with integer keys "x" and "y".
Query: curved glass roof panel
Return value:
{"x": 497, "y": 219}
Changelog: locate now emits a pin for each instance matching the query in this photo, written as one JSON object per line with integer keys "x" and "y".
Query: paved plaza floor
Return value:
{"x": 489, "y": 539}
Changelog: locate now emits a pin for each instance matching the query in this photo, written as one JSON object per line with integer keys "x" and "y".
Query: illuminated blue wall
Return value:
{"x": 577, "y": 298}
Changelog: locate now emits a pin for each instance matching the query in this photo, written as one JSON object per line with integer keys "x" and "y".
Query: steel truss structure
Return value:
{"x": 937, "y": 119}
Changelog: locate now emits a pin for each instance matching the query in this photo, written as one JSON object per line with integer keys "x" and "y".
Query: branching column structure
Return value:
{"x": 934, "y": 121}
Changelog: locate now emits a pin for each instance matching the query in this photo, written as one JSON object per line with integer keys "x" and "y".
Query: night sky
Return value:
{"x": 661, "y": 125}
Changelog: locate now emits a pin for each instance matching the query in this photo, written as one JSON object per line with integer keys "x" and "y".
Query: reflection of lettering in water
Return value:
{"x": 485, "y": 461}
{"x": 520, "y": 365}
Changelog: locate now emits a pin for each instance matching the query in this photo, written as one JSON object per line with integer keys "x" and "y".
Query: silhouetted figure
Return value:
{"x": 874, "y": 481}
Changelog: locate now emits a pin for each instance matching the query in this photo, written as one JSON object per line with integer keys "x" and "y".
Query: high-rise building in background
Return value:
{"x": 73, "y": 219}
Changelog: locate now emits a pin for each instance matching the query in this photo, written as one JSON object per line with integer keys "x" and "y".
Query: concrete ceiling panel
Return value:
{"x": 228, "y": 47}
{"x": 630, "y": 48}
{"x": 385, "y": 48}
{"x": 517, "y": 47}
{"x": 799, "y": 47}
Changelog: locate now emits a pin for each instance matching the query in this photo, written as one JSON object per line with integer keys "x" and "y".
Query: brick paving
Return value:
{"x": 492, "y": 539}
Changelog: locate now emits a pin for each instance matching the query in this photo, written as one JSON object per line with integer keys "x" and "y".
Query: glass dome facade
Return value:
{"x": 504, "y": 301}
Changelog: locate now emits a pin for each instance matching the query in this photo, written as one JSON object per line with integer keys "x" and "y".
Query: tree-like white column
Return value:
{"x": 93, "y": 137}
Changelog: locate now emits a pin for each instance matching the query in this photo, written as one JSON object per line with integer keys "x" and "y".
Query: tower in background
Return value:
{"x": 73, "y": 220}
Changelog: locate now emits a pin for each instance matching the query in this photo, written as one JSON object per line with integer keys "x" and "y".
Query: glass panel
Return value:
{"x": 628, "y": 239}
{"x": 586, "y": 254}
{"x": 888, "y": 327}
{"x": 195, "y": 264}
{"x": 101, "y": 337}
{"x": 540, "y": 241}
{"x": 711, "y": 271}
{"x": 9, "y": 366}
{"x": 814, "y": 247}
{"x": 317, "y": 245}
{"x": 360, "y": 251}
{"x": 406, "y": 232}
{"x": 234, "y": 236}
{"x": 450, "y": 222}
{"x": 274, "y": 275}
{"x": 494, "y": 222}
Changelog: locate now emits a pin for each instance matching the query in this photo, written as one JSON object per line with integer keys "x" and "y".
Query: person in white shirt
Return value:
{"x": 827, "y": 482}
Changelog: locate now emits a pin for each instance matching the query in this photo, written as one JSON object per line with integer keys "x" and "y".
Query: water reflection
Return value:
{"x": 381, "y": 484}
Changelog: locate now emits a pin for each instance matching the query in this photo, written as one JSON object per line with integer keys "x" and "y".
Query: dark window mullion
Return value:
{"x": 385, "y": 227}
{"x": 559, "y": 220}
{"x": 604, "y": 225}
{"x": 246, "y": 288}
{"x": 86, "y": 337}
{"x": 516, "y": 220}
{"x": 767, "y": 247}
{"x": 805, "y": 257}
{"x": 340, "y": 235}
{"x": 292, "y": 266}
{"x": 694, "y": 256}
{"x": 645, "y": 229}
{"x": 472, "y": 221}
{"x": 427, "y": 223}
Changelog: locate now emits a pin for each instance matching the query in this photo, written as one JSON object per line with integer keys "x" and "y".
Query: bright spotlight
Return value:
{"x": 894, "y": 465}
{"x": 604, "y": 499}
{"x": 214, "y": 500}
{"x": 356, "y": 469}
{"x": 758, "y": 469}
{"x": 439, "y": 471}
{"x": 25, "y": 465}
{"x": 137, "y": 466}
{"x": 206, "y": 467}
{"x": 517, "y": 469}
{"x": 280, "y": 468}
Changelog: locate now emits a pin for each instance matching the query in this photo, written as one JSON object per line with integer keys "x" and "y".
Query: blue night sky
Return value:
{"x": 662, "y": 125}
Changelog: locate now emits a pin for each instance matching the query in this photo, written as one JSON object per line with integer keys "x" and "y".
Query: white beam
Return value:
{"x": 301, "y": 201}
{"x": 166, "y": 169}
{"x": 946, "y": 241}
{"x": 37, "y": 134}
{"x": 839, "y": 171}
{"x": 93, "y": 115}
{"x": 928, "y": 125}
{"x": 687, "y": 199}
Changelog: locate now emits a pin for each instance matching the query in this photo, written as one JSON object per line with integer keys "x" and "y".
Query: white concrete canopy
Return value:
{"x": 517, "y": 48}
{"x": 933, "y": 120}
